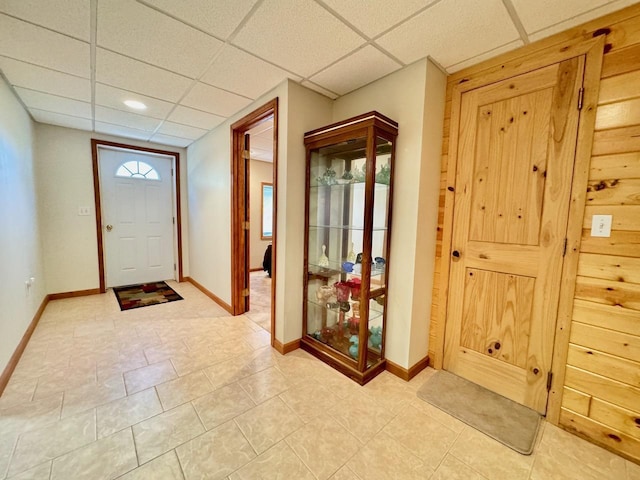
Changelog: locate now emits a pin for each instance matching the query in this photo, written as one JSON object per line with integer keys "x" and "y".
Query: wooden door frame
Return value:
{"x": 239, "y": 202}
{"x": 95, "y": 144}
{"x": 494, "y": 72}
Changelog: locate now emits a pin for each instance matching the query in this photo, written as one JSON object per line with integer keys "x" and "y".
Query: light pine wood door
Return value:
{"x": 515, "y": 148}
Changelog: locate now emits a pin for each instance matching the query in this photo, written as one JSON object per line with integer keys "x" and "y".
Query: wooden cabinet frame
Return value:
{"x": 370, "y": 126}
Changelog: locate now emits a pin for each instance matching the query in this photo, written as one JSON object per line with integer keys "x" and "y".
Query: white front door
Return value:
{"x": 137, "y": 216}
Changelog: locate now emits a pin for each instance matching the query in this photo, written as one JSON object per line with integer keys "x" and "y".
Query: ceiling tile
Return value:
{"x": 219, "y": 18}
{"x": 378, "y": 15}
{"x": 262, "y": 155}
{"x": 120, "y": 131}
{"x": 75, "y": 20}
{"x": 358, "y": 69}
{"x": 263, "y": 129}
{"x": 114, "y": 97}
{"x": 30, "y": 76}
{"x": 54, "y": 103}
{"x": 544, "y": 13}
{"x": 26, "y": 42}
{"x": 262, "y": 144}
{"x": 169, "y": 140}
{"x": 319, "y": 89}
{"x": 128, "y": 74}
{"x": 452, "y": 31}
{"x": 195, "y": 118}
{"x": 61, "y": 120}
{"x": 577, "y": 18}
{"x": 298, "y": 35}
{"x": 214, "y": 100}
{"x": 140, "y": 32}
{"x": 126, "y": 119}
{"x": 242, "y": 73}
{"x": 178, "y": 130}
{"x": 484, "y": 56}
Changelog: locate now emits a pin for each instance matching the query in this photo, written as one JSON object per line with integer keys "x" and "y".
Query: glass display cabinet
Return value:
{"x": 349, "y": 184}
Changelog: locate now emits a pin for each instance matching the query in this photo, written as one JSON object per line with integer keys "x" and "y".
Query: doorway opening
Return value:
{"x": 253, "y": 215}
{"x": 138, "y": 218}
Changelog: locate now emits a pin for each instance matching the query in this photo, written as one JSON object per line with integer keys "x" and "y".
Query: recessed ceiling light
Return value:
{"x": 135, "y": 104}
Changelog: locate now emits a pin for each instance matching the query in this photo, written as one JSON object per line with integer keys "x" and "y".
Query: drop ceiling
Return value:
{"x": 194, "y": 63}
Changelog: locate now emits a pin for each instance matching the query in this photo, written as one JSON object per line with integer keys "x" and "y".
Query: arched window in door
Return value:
{"x": 137, "y": 169}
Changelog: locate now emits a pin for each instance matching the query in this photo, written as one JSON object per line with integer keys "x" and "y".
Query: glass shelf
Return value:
{"x": 335, "y": 268}
{"x": 373, "y": 314}
{"x": 349, "y": 227}
{"x": 378, "y": 186}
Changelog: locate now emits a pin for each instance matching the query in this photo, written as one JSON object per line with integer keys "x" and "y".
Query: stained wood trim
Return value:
{"x": 74, "y": 294}
{"x": 95, "y": 144}
{"x": 274, "y": 244}
{"x": 404, "y": 373}
{"x": 287, "y": 347}
{"x": 257, "y": 269}
{"x": 591, "y": 85}
{"x": 238, "y": 264}
{"x": 15, "y": 358}
{"x": 209, "y": 294}
{"x": 98, "y": 211}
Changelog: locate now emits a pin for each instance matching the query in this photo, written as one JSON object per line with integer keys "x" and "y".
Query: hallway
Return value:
{"x": 184, "y": 391}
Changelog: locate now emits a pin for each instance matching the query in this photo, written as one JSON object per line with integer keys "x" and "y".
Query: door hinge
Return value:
{"x": 564, "y": 249}
{"x": 549, "y": 380}
{"x": 174, "y": 220}
{"x": 580, "y": 98}
{"x": 246, "y": 155}
{"x": 245, "y": 292}
{"x": 172, "y": 172}
{"x": 245, "y": 225}
{"x": 174, "y": 266}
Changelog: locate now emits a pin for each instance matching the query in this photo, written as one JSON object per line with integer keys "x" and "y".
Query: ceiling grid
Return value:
{"x": 196, "y": 63}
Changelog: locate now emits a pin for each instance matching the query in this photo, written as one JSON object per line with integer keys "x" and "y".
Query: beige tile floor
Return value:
{"x": 260, "y": 299}
{"x": 184, "y": 391}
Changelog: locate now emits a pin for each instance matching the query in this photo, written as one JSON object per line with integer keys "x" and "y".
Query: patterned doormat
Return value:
{"x": 144, "y": 294}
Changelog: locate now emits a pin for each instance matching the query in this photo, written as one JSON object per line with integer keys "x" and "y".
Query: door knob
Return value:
{"x": 456, "y": 254}
{"x": 109, "y": 228}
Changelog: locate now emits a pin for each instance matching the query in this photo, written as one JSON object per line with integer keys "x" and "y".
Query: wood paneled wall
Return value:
{"x": 601, "y": 397}
{"x": 601, "y": 388}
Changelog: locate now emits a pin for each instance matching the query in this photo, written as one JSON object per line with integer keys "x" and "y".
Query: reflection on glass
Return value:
{"x": 267, "y": 211}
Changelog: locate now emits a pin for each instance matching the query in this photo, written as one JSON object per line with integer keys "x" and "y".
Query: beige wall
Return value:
{"x": 299, "y": 110}
{"x": 20, "y": 247}
{"x": 260, "y": 172}
{"x": 65, "y": 182}
{"x": 209, "y": 172}
{"x": 306, "y": 110}
{"x": 414, "y": 97}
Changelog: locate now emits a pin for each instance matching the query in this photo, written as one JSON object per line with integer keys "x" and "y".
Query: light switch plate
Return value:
{"x": 84, "y": 211}
{"x": 601, "y": 225}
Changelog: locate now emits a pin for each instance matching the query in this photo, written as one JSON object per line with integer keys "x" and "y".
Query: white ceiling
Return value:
{"x": 261, "y": 141}
{"x": 195, "y": 63}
